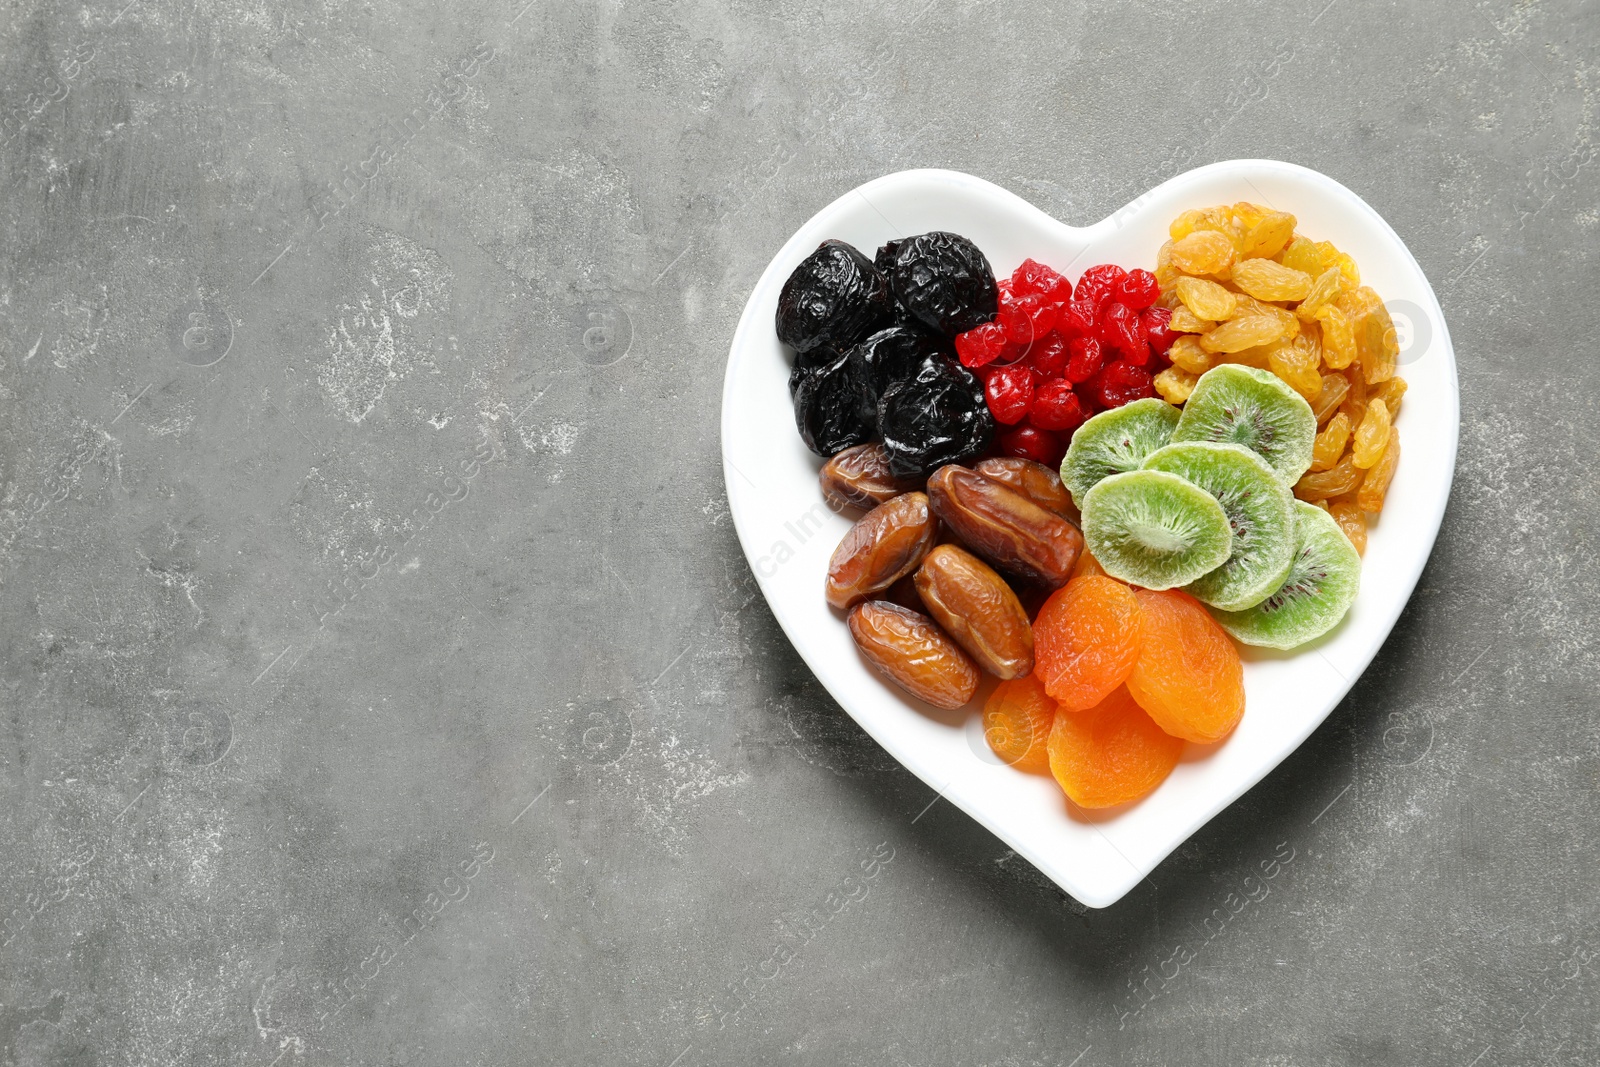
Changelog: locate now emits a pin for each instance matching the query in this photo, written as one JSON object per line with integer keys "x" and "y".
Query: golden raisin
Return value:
{"x": 1372, "y": 436}
{"x": 1269, "y": 236}
{"x": 1207, "y": 300}
{"x": 1186, "y": 321}
{"x": 1327, "y": 285}
{"x": 1248, "y": 332}
{"x": 1320, "y": 485}
{"x": 1390, "y": 393}
{"x": 1355, "y": 401}
{"x": 1334, "y": 388}
{"x": 1377, "y": 344}
{"x": 1187, "y": 354}
{"x": 1353, "y": 521}
{"x": 1266, "y": 280}
{"x": 1375, "y": 486}
{"x": 1203, "y": 252}
{"x": 1302, "y": 255}
{"x": 1338, "y": 339}
{"x": 1296, "y": 363}
{"x": 1329, "y": 444}
{"x": 1175, "y": 384}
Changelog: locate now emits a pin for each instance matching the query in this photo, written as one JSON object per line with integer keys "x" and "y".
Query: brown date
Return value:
{"x": 911, "y": 650}
{"x": 885, "y": 545}
{"x": 978, "y": 609}
{"x": 1033, "y": 480}
{"x": 1005, "y": 528}
{"x": 859, "y": 477}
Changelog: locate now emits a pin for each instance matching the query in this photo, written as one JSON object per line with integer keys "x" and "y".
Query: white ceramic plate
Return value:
{"x": 788, "y": 533}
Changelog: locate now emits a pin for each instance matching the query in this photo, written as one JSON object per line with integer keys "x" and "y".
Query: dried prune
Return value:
{"x": 832, "y": 406}
{"x": 835, "y": 297}
{"x": 937, "y": 416}
{"x": 894, "y": 355}
{"x": 943, "y": 280}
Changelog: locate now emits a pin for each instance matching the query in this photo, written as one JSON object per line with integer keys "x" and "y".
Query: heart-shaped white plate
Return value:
{"x": 788, "y": 533}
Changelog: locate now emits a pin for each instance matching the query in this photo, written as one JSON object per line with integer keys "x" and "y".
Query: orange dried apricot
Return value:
{"x": 1016, "y": 723}
{"x": 1111, "y": 753}
{"x": 1188, "y": 676}
{"x": 1086, "y": 640}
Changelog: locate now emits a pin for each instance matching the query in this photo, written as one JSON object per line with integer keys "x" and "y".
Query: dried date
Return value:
{"x": 888, "y": 543}
{"x": 910, "y": 650}
{"x": 1033, "y": 480}
{"x": 978, "y": 610}
{"x": 1004, "y": 527}
{"x": 860, "y": 477}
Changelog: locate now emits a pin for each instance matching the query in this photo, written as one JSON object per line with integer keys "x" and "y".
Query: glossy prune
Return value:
{"x": 936, "y": 417}
{"x": 894, "y": 355}
{"x": 943, "y": 280}
{"x": 835, "y": 297}
{"x": 832, "y": 406}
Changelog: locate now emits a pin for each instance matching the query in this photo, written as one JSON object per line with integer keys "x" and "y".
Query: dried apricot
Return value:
{"x": 1086, "y": 640}
{"x": 1111, "y": 753}
{"x": 1087, "y": 565}
{"x": 1189, "y": 677}
{"x": 1016, "y": 722}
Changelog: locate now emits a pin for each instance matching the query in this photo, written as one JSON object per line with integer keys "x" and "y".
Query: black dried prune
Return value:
{"x": 893, "y": 355}
{"x": 833, "y": 406}
{"x": 943, "y": 280}
{"x": 938, "y": 416}
{"x": 835, "y": 297}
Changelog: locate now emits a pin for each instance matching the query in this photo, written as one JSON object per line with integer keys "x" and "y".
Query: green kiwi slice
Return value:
{"x": 1234, "y": 404}
{"x": 1155, "y": 529}
{"x": 1116, "y": 441}
{"x": 1322, "y": 584}
{"x": 1260, "y": 510}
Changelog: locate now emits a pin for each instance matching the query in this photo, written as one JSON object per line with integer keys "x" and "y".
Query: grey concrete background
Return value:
{"x": 382, "y": 679}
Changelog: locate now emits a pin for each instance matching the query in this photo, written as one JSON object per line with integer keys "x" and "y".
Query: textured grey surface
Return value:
{"x": 292, "y": 637}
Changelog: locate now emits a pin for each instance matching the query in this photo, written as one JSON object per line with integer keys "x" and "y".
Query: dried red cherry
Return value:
{"x": 1139, "y": 289}
{"x": 1084, "y": 357}
{"x": 1155, "y": 323}
{"x": 1119, "y": 329}
{"x": 1056, "y": 407}
{"x": 1009, "y": 392}
{"x": 1048, "y": 357}
{"x": 981, "y": 345}
{"x": 1040, "y": 446}
{"x": 1120, "y": 383}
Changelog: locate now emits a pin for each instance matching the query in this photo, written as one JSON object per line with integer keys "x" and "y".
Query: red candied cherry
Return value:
{"x": 1043, "y": 317}
{"x": 1079, "y": 316}
{"x": 1085, "y": 356}
{"x": 1017, "y": 318}
{"x": 1033, "y": 277}
{"x": 981, "y": 345}
{"x": 1119, "y": 331}
{"x": 1120, "y": 383}
{"x": 1139, "y": 289}
{"x": 1048, "y": 357}
{"x": 1155, "y": 322}
{"x": 1100, "y": 283}
{"x": 1009, "y": 391}
{"x": 1030, "y": 443}
{"x": 1056, "y": 407}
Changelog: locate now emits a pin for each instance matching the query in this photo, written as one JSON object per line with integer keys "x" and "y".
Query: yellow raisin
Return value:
{"x": 1327, "y": 285}
{"x": 1329, "y": 444}
{"x": 1259, "y": 356}
{"x": 1372, "y": 436}
{"x": 1296, "y": 363}
{"x": 1266, "y": 280}
{"x": 1321, "y": 485}
{"x": 1338, "y": 338}
{"x": 1207, "y": 300}
{"x": 1353, "y": 521}
{"x": 1186, "y": 321}
{"x": 1334, "y": 388}
{"x": 1247, "y": 214}
{"x": 1187, "y": 354}
{"x": 1175, "y": 384}
{"x": 1390, "y": 393}
{"x": 1203, "y": 252}
{"x": 1302, "y": 255}
{"x": 1355, "y": 401}
{"x": 1377, "y": 345}
{"x": 1235, "y": 335}
{"x": 1327, "y": 255}
{"x": 1269, "y": 236}
{"x": 1348, "y": 268}
{"x": 1206, "y": 218}
{"x": 1375, "y": 486}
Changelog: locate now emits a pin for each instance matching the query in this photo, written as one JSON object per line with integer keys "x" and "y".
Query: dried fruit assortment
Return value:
{"x": 1223, "y": 426}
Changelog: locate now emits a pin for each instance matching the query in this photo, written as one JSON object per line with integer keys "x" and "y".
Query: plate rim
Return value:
{"x": 749, "y": 321}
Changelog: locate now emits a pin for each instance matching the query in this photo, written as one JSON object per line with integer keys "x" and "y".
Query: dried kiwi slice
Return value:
{"x": 1260, "y": 510}
{"x": 1234, "y": 404}
{"x": 1116, "y": 441}
{"x": 1154, "y": 529}
{"x": 1322, "y": 584}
